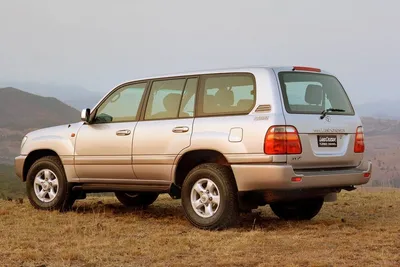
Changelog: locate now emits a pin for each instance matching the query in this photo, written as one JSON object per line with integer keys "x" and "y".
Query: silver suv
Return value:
{"x": 223, "y": 141}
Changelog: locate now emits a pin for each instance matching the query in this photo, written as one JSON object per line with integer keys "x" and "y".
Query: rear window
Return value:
{"x": 310, "y": 93}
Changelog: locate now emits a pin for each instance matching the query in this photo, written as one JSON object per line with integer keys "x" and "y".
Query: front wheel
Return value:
{"x": 209, "y": 197}
{"x": 131, "y": 199}
{"x": 47, "y": 186}
{"x": 302, "y": 209}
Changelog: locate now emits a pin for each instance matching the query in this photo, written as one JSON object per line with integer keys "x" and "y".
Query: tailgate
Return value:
{"x": 318, "y": 106}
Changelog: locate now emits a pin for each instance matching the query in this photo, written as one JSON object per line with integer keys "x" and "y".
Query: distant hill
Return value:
{"x": 379, "y": 126}
{"x": 21, "y": 112}
{"x": 383, "y": 109}
{"x": 74, "y": 96}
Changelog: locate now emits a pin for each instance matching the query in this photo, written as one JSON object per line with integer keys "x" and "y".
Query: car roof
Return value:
{"x": 244, "y": 69}
{"x": 249, "y": 69}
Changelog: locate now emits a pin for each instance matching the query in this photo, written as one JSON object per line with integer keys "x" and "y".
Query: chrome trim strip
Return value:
{"x": 103, "y": 160}
{"x": 153, "y": 159}
{"x": 124, "y": 181}
{"x": 248, "y": 158}
{"x": 67, "y": 160}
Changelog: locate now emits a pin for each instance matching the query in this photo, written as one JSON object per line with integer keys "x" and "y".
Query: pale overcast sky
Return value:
{"x": 98, "y": 44}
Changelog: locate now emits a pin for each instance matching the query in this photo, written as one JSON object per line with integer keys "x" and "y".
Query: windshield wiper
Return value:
{"x": 326, "y": 111}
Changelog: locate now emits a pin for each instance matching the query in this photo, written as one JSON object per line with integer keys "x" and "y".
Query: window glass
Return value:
{"x": 309, "y": 93}
{"x": 228, "y": 94}
{"x": 164, "y": 100}
{"x": 188, "y": 99}
{"x": 122, "y": 105}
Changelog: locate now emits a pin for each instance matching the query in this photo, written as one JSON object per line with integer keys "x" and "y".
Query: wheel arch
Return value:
{"x": 35, "y": 155}
{"x": 190, "y": 160}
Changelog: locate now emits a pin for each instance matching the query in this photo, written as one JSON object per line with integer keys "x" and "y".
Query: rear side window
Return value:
{"x": 227, "y": 94}
{"x": 310, "y": 93}
{"x": 164, "y": 100}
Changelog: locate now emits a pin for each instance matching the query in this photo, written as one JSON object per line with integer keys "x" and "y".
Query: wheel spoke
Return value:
{"x": 215, "y": 199}
{"x": 54, "y": 183}
{"x": 208, "y": 210}
{"x": 42, "y": 193}
{"x": 198, "y": 188}
{"x": 210, "y": 185}
{"x": 47, "y": 175}
{"x": 198, "y": 204}
{"x": 52, "y": 194}
{"x": 38, "y": 180}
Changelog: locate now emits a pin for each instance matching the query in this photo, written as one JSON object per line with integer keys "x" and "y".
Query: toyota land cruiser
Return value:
{"x": 222, "y": 141}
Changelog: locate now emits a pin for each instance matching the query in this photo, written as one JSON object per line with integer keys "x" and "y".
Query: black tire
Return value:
{"x": 227, "y": 213}
{"x": 302, "y": 209}
{"x": 132, "y": 199}
{"x": 64, "y": 199}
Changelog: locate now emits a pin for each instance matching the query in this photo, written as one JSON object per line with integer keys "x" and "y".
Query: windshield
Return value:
{"x": 311, "y": 93}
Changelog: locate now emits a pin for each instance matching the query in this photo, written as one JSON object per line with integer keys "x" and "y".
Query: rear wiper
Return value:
{"x": 326, "y": 111}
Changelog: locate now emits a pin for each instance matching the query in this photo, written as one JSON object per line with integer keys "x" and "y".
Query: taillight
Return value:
{"x": 282, "y": 140}
{"x": 359, "y": 145}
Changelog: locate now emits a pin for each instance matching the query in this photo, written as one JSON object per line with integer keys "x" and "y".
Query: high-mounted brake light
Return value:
{"x": 306, "y": 69}
{"x": 281, "y": 140}
{"x": 359, "y": 146}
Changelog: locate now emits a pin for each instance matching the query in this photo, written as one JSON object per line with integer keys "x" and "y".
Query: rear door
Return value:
{"x": 327, "y": 139}
{"x": 166, "y": 128}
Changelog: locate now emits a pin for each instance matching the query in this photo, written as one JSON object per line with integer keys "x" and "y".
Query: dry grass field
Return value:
{"x": 360, "y": 229}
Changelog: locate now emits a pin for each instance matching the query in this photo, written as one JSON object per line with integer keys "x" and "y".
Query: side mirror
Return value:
{"x": 85, "y": 114}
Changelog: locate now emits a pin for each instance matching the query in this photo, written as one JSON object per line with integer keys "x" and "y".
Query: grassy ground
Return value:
{"x": 361, "y": 229}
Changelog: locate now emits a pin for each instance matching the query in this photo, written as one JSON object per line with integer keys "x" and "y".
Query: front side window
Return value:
{"x": 165, "y": 99}
{"x": 311, "y": 93}
{"x": 228, "y": 95}
{"x": 122, "y": 105}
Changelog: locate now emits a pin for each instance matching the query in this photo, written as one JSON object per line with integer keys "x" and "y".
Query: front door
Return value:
{"x": 103, "y": 148}
{"x": 165, "y": 129}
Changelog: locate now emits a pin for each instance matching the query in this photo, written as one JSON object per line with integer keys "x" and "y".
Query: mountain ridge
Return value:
{"x": 22, "y": 112}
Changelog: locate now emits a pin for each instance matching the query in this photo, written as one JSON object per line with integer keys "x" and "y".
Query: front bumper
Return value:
{"x": 250, "y": 177}
{"x": 19, "y": 166}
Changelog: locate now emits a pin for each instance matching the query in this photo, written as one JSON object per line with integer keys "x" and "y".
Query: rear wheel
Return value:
{"x": 302, "y": 209}
{"x": 47, "y": 186}
{"x": 209, "y": 197}
{"x": 132, "y": 199}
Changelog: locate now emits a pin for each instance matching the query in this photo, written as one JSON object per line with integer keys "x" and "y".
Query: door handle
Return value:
{"x": 123, "y": 132}
{"x": 180, "y": 129}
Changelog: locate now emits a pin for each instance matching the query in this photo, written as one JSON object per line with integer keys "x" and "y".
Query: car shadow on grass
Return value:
{"x": 157, "y": 210}
{"x": 172, "y": 209}
{"x": 168, "y": 209}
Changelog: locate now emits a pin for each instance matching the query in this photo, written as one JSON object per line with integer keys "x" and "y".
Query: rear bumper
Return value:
{"x": 251, "y": 177}
{"x": 19, "y": 166}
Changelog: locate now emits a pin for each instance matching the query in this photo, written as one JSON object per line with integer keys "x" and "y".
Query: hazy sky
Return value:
{"x": 99, "y": 44}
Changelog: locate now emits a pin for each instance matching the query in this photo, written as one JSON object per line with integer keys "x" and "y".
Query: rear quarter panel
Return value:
{"x": 249, "y": 130}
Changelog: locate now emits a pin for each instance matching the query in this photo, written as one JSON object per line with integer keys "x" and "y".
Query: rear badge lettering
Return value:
{"x": 329, "y": 130}
{"x": 261, "y": 118}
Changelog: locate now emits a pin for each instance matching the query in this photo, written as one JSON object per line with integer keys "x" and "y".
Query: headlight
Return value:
{"x": 23, "y": 141}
